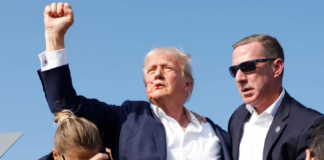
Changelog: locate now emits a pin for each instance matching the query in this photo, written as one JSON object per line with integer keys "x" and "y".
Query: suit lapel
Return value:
{"x": 275, "y": 130}
{"x": 238, "y": 132}
{"x": 278, "y": 125}
{"x": 159, "y": 134}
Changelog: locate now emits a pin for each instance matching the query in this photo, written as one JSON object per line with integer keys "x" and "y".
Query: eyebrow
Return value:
{"x": 163, "y": 64}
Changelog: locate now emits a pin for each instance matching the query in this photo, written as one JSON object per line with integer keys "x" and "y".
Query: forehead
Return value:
{"x": 162, "y": 59}
{"x": 250, "y": 51}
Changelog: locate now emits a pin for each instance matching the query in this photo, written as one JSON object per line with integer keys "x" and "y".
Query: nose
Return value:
{"x": 158, "y": 74}
{"x": 240, "y": 77}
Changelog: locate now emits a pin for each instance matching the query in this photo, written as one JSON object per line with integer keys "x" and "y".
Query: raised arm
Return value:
{"x": 56, "y": 79}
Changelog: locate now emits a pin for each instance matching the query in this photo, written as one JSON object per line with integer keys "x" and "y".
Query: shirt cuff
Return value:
{"x": 54, "y": 59}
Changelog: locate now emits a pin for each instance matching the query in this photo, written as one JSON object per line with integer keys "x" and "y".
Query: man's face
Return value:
{"x": 253, "y": 87}
{"x": 164, "y": 78}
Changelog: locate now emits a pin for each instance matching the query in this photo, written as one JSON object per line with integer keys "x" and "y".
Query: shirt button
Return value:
{"x": 184, "y": 140}
{"x": 45, "y": 61}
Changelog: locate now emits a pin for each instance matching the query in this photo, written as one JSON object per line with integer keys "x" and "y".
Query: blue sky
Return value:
{"x": 109, "y": 39}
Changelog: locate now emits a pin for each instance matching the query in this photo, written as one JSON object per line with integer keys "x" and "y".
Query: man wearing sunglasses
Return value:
{"x": 270, "y": 125}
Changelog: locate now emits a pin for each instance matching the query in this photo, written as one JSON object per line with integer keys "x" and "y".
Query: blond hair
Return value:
{"x": 75, "y": 134}
{"x": 183, "y": 58}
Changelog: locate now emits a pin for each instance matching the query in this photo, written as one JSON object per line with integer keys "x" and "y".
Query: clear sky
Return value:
{"x": 109, "y": 39}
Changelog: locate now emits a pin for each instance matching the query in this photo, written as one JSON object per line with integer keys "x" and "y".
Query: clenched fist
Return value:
{"x": 58, "y": 18}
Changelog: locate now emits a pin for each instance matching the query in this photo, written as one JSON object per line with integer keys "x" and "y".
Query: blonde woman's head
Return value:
{"x": 75, "y": 138}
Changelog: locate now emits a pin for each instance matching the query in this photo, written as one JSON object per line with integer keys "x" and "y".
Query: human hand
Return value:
{"x": 58, "y": 18}
{"x": 200, "y": 118}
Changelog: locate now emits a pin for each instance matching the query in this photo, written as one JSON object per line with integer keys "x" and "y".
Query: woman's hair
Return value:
{"x": 75, "y": 134}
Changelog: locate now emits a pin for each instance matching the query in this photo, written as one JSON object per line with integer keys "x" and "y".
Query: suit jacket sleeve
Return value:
{"x": 60, "y": 95}
{"x": 305, "y": 137}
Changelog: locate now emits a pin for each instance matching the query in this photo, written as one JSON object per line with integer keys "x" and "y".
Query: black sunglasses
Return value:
{"x": 247, "y": 67}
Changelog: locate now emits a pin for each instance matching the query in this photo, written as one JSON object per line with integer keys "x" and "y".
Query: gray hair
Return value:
{"x": 183, "y": 58}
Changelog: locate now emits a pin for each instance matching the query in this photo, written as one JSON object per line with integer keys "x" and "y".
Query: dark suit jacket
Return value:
{"x": 131, "y": 131}
{"x": 296, "y": 124}
{"x": 47, "y": 157}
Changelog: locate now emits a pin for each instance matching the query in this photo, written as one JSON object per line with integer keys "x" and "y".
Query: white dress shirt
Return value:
{"x": 256, "y": 129}
{"x": 198, "y": 142}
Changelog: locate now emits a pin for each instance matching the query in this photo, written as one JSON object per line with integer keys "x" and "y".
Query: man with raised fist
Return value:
{"x": 158, "y": 129}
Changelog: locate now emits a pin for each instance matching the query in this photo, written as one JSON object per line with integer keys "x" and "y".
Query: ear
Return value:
{"x": 55, "y": 155}
{"x": 278, "y": 66}
{"x": 188, "y": 86}
{"x": 308, "y": 155}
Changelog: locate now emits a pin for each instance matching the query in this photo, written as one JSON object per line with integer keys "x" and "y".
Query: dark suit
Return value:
{"x": 131, "y": 131}
{"x": 296, "y": 124}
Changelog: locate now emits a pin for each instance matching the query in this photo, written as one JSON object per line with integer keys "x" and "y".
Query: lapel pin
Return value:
{"x": 277, "y": 129}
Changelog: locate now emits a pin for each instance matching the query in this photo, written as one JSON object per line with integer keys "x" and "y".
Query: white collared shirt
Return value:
{"x": 198, "y": 141}
{"x": 255, "y": 131}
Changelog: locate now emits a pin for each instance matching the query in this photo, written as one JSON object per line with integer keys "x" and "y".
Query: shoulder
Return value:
{"x": 48, "y": 157}
{"x": 136, "y": 106}
{"x": 238, "y": 112}
{"x": 217, "y": 128}
{"x": 301, "y": 117}
{"x": 303, "y": 113}
{"x": 297, "y": 106}
{"x": 135, "y": 103}
{"x": 240, "y": 109}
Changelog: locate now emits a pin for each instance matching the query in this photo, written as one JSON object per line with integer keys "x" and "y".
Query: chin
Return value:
{"x": 248, "y": 100}
{"x": 157, "y": 96}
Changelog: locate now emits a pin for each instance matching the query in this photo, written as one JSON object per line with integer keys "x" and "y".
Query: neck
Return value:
{"x": 174, "y": 110}
{"x": 171, "y": 108}
{"x": 268, "y": 100}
